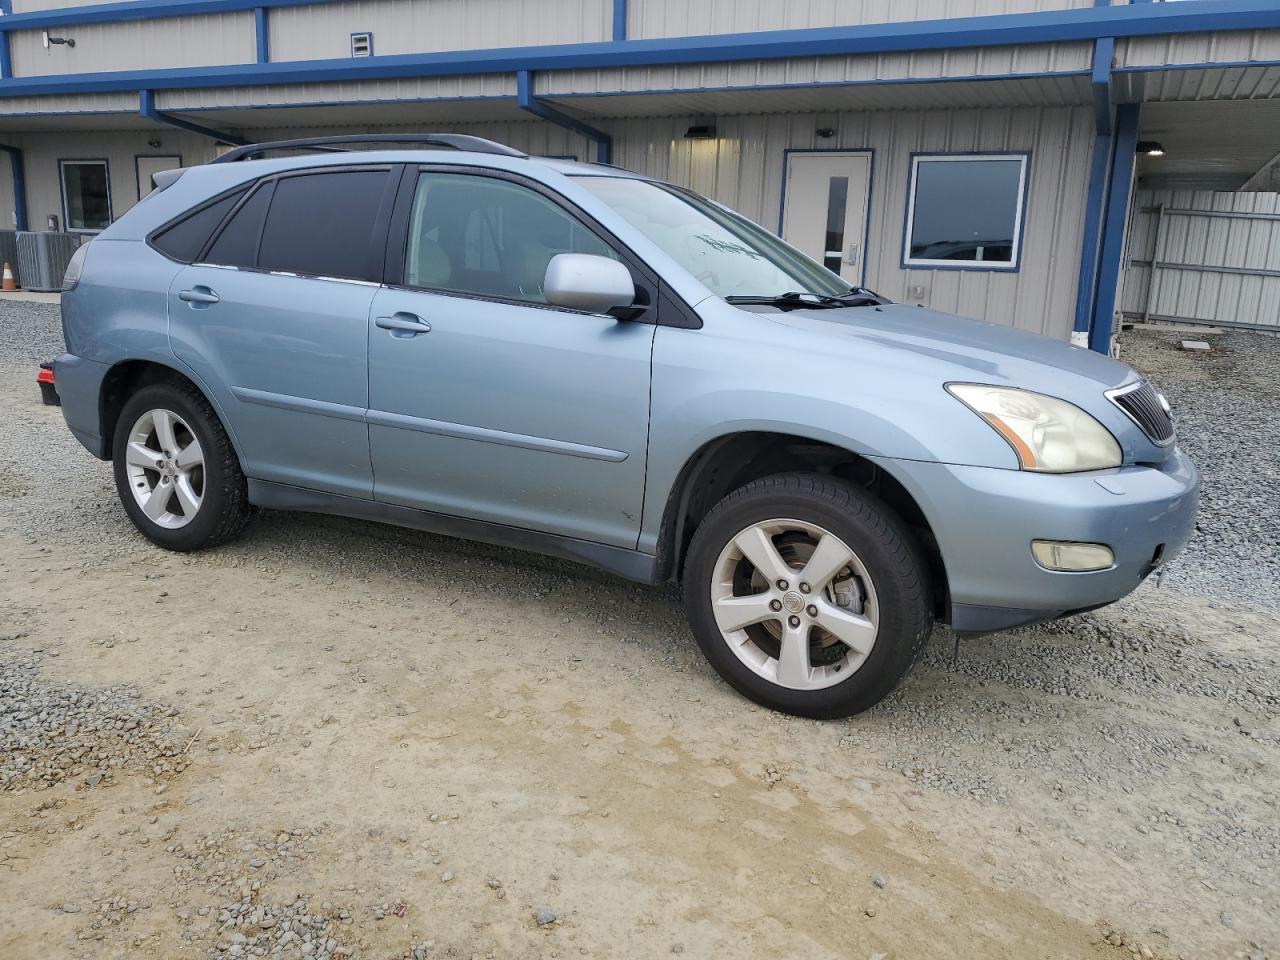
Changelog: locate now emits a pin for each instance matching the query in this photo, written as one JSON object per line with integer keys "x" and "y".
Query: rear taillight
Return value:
{"x": 75, "y": 267}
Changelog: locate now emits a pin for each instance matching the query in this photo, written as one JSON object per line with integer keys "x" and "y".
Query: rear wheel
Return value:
{"x": 176, "y": 472}
{"x": 807, "y": 595}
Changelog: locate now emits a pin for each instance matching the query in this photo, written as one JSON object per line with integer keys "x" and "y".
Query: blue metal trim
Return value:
{"x": 262, "y": 34}
{"x": 527, "y": 101}
{"x": 1104, "y": 49}
{"x": 619, "y": 19}
{"x": 1095, "y": 202}
{"x": 6, "y": 7}
{"x": 147, "y": 108}
{"x": 18, "y": 175}
{"x": 6, "y": 56}
{"x": 961, "y": 32}
{"x": 1110, "y": 261}
{"x": 871, "y": 179}
{"x": 62, "y": 192}
{"x": 972, "y": 266}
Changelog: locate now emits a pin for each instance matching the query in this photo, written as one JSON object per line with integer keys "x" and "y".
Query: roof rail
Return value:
{"x": 454, "y": 141}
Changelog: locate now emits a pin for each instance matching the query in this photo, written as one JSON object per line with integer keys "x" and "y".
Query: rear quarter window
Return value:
{"x": 237, "y": 244}
{"x": 185, "y": 239}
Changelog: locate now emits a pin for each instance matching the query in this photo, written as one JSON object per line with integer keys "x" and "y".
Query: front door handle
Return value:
{"x": 407, "y": 323}
{"x": 199, "y": 294}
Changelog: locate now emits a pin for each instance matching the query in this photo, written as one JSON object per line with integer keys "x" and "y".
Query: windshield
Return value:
{"x": 729, "y": 254}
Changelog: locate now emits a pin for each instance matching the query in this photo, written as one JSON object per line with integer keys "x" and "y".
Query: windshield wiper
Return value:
{"x": 797, "y": 300}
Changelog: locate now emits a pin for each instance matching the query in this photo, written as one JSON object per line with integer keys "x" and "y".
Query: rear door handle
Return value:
{"x": 408, "y": 323}
{"x": 199, "y": 295}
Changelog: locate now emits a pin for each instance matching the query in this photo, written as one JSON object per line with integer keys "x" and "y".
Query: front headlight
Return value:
{"x": 1047, "y": 434}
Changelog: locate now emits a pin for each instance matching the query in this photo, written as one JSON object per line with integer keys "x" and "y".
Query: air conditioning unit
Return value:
{"x": 9, "y": 252}
{"x": 43, "y": 258}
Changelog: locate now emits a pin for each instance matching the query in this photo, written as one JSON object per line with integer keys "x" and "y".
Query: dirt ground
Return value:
{"x": 336, "y": 739}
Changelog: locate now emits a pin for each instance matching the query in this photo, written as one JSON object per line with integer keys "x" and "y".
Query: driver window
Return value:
{"x": 490, "y": 237}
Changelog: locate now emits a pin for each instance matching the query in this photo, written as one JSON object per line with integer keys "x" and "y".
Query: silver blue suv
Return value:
{"x": 574, "y": 360}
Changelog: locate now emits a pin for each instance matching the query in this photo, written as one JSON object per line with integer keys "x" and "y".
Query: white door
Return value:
{"x": 146, "y": 166}
{"x": 825, "y": 211}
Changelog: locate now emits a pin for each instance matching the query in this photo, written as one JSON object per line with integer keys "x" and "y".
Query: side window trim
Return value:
{"x": 242, "y": 188}
{"x": 268, "y": 184}
{"x": 658, "y": 309}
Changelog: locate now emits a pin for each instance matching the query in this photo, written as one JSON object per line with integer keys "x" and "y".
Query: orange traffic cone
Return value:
{"x": 9, "y": 282}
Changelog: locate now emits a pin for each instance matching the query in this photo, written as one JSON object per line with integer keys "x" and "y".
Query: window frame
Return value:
{"x": 665, "y": 307}
{"x": 62, "y": 193}
{"x": 1014, "y": 264}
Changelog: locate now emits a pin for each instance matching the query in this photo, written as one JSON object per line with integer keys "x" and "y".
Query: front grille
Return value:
{"x": 1141, "y": 403}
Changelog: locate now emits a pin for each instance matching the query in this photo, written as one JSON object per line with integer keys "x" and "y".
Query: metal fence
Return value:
{"x": 1208, "y": 258}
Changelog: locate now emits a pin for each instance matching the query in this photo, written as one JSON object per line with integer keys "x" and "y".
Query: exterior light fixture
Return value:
{"x": 49, "y": 41}
{"x": 1151, "y": 148}
{"x": 701, "y": 131}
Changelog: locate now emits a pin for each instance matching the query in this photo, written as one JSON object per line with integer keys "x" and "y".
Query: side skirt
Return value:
{"x": 631, "y": 564}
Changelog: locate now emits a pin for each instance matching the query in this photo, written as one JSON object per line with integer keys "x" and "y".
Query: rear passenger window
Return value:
{"x": 186, "y": 238}
{"x": 237, "y": 244}
{"x": 322, "y": 223}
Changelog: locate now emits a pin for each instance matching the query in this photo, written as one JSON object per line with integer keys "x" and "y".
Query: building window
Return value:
{"x": 86, "y": 194}
{"x": 964, "y": 211}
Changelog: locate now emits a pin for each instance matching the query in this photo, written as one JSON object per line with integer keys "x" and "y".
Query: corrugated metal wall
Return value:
{"x": 1237, "y": 46}
{"x": 412, "y": 26}
{"x": 1219, "y": 268}
{"x": 744, "y": 168}
{"x": 355, "y": 91}
{"x": 137, "y": 45}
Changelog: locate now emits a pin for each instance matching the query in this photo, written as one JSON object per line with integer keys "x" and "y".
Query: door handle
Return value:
{"x": 409, "y": 323}
{"x": 199, "y": 295}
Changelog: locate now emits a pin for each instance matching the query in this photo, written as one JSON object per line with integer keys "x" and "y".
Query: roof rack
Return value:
{"x": 454, "y": 141}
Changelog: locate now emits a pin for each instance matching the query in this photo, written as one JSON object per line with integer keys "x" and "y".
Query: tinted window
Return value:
{"x": 186, "y": 238}
{"x": 322, "y": 224}
{"x": 490, "y": 237}
{"x": 237, "y": 244}
{"x": 966, "y": 209}
{"x": 86, "y": 194}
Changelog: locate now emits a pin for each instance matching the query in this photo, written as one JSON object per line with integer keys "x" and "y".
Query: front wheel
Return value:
{"x": 808, "y": 595}
{"x": 176, "y": 473}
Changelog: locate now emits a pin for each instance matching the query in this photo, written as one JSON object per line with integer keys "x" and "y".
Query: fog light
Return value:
{"x": 1073, "y": 557}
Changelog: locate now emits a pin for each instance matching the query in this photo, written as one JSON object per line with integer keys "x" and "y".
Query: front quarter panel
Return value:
{"x": 744, "y": 373}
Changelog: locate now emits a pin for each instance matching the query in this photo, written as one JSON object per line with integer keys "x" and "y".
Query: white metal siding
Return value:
{"x": 1236, "y": 46}
{"x": 930, "y": 64}
{"x": 70, "y": 103}
{"x": 353, "y": 91}
{"x": 137, "y": 45}
{"x": 412, "y": 26}
{"x": 672, "y": 18}
{"x": 1236, "y": 244}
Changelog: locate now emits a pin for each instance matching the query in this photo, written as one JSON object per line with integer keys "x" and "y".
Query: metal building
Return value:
{"x": 977, "y": 156}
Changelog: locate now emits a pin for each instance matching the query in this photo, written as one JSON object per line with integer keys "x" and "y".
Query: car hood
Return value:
{"x": 973, "y": 349}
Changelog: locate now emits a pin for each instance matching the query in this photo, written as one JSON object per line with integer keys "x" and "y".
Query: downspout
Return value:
{"x": 147, "y": 108}
{"x": 1096, "y": 197}
{"x": 527, "y": 101}
{"x": 19, "y": 177}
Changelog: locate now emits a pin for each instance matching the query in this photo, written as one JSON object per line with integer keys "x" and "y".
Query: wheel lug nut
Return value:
{"x": 804, "y": 588}
{"x": 812, "y": 610}
{"x": 794, "y": 621}
{"x": 782, "y": 585}
{"x": 775, "y": 605}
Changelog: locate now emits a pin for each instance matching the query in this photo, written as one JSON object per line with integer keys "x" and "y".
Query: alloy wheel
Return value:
{"x": 165, "y": 466}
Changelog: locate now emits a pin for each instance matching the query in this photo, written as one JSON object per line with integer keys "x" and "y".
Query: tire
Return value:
{"x": 216, "y": 485}
{"x": 880, "y": 600}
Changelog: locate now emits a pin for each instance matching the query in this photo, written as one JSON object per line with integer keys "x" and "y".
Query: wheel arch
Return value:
{"x": 127, "y": 377}
{"x": 729, "y": 461}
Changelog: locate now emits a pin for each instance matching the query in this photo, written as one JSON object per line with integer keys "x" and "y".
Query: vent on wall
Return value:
{"x": 362, "y": 44}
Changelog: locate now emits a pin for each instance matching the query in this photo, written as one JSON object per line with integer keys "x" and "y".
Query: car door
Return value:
{"x": 274, "y": 316}
{"x": 486, "y": 402}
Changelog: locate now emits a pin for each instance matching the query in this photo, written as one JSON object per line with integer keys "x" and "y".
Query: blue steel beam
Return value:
{"x": 1104, "y": 50}
{"x": 262, "y": 34}
{"x": 527, "y": 101}
{"x": 958, "y": 33}
{"x": 147, "y": 108}
{"x": 18, "y": 175}
{"x": 1110, "y": 260}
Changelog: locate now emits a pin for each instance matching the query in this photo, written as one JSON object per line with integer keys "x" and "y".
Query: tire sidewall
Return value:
{"x": 199, "y": 531}
{"x": 892, "y": 561}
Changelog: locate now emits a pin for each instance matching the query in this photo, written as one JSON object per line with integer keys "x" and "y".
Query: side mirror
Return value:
{"x": 583, "y": 281}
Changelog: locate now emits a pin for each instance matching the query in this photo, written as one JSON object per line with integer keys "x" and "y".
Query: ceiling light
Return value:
{"x": 700, "y": 131}
{"x": 1151, "y": 148}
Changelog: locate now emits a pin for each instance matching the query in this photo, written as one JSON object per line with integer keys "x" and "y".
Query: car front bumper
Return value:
{"x": 984, "y": 520}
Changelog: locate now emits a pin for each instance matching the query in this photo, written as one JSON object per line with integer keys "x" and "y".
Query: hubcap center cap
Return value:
{"x": 793, "y": 601}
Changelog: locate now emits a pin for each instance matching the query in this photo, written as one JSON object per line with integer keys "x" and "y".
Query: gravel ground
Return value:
{"x": 336, "y": 739}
